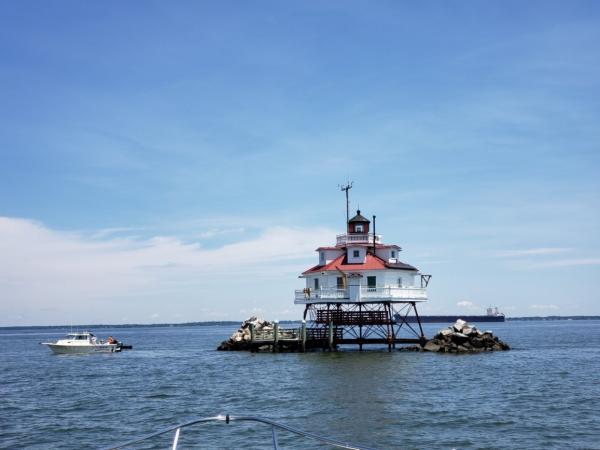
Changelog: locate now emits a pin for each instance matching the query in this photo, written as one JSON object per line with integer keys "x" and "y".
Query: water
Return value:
{"x": 542, "y": 394}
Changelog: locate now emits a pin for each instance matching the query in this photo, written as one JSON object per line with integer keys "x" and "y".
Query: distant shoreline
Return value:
{"x": 235, "y": 322}
{"x": 553, "y": 318}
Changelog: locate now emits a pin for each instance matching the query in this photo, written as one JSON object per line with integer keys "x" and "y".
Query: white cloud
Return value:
{"x": 469, "y": 306}
{"x": 465, "y": 304}
{"x": 544, "y": 307}
{"x": 219, "y": 231}
{"x": 566, "y": 263}
{"x": 106, "y": 232}
{"x": 533, "y": 252}
{"x": 86, "y": 279}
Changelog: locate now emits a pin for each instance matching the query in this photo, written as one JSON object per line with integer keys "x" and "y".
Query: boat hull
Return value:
{"x": 82, "y": 349}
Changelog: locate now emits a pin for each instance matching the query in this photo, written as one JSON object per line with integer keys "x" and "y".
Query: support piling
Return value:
{"x": 275, "y": 336}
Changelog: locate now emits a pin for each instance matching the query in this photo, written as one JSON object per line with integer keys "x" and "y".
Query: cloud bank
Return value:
{"x": 49, "y": 276}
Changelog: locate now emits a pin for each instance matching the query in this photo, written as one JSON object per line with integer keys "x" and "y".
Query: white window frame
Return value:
{"x": 359, "y": 228}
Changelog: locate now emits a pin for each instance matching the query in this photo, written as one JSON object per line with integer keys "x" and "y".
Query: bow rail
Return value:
{"x": 227, "y": 419}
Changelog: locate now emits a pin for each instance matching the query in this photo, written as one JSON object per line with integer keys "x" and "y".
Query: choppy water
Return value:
{"x": 543, "y": 394}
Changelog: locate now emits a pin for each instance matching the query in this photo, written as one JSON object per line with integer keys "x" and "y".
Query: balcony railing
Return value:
{"x": 366, "y": 238}
{"x": 360, "y": 294}
{"x": 321, "y": 294}
{"x": 393, "y": 293}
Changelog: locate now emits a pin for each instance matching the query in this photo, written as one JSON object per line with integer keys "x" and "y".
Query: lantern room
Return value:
{"x": 358, "y": 224}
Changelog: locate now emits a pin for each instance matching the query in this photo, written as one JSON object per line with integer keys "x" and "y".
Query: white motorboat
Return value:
{"x": 81, "y": 343}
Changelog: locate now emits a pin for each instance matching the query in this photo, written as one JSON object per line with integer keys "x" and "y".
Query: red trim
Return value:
{"x": 371, "y": 263}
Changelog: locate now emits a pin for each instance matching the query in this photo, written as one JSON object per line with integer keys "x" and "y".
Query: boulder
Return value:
{"x": 462, "y": 337}
{"x": 432, "y": 346}
{"x": 240, "y": 340}
{"x": 459, "y": 325}
{"x": 459, "y": 338}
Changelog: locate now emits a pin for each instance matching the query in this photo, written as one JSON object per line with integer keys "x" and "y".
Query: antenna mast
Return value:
{"x": 346, "y": 188}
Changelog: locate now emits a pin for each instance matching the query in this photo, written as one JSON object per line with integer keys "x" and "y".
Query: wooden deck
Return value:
{"x": 304, "y": 338}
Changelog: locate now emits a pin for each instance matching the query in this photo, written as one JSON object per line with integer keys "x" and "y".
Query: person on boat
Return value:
{"x": 112, "y": 340}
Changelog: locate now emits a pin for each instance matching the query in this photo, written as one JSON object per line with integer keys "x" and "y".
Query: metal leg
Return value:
{"x": 418, "y": 320}
{"x": 360, "y": 334}
{"x": 390, "y": 337}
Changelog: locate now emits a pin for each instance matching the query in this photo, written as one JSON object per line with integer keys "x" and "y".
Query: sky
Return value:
{"x": 180, "y": 161}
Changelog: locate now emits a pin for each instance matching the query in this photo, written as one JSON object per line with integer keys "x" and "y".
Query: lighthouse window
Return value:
{"x": 393, "y": 253}
{"x": 358, "y": 228}
{"x": 371, "y": 283}
{"x": 316, "y": 284}
{"x": 356, "y": 253}
{"x": 400, "y": 282}
{"x": 340, "y": 282}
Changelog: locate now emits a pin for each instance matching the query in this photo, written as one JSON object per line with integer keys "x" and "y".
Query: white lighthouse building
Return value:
{"x": 360, "y": 292}
{"x": 361, "y": 268}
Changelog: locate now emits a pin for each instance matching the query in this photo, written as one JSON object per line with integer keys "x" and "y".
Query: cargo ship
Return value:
{"x": 492, "y": 315}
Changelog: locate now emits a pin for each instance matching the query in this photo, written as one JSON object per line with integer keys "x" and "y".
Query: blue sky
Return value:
{"x": 165, "y": 162}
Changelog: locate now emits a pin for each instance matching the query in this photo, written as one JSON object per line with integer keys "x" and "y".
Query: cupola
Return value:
{"x": 358, "y": 224}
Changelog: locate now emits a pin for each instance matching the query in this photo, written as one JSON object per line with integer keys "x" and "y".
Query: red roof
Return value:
{"x": 372, "y": 263}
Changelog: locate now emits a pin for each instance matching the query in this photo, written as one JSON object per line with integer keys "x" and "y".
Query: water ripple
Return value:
{"x": 543, "y": 394}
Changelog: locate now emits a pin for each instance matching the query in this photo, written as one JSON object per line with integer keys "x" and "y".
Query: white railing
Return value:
{"x": 393, "y": 293}
{"x": 325, "y": 295}
{"x": 320, "y": 294}
{"x": 275, "y": 427}
{"x": 366, "y": 238}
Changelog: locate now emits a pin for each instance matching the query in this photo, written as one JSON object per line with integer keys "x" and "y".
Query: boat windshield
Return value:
{"x": 82, "y": 337}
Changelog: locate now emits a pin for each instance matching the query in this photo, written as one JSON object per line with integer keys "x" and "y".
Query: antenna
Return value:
{"x": 374, "y": 237}
{"x": 346, "y": 188}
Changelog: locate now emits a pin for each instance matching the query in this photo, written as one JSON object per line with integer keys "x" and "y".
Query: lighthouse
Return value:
{"x": 360, "y": 292}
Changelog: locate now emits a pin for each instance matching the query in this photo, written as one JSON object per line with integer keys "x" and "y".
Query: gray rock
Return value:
{"x": 477, "y": 342}
{"x": 432, "y": 346}
{"x": 459, "y": 325}
{"x": 459, "y": 338}
{"x": 468, "y": 330}
{"x": 468, "y": 340}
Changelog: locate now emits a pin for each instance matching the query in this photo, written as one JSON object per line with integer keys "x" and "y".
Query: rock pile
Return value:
{"x": 240, "y": 340}
{"x": 464, "y": 338}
